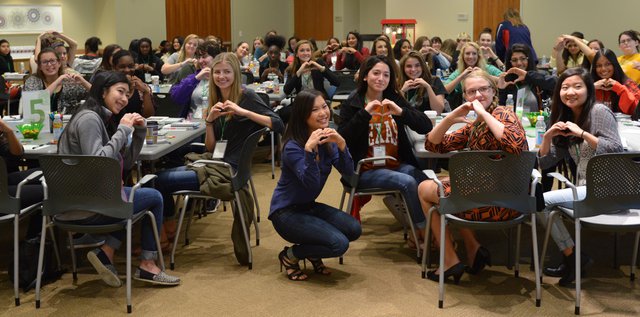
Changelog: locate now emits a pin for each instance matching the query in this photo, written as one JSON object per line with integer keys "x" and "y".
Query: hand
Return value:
{"x": 189, "y": 61}
{"x": 394, "y": 109}
{"x": 560, "y": 43}
{"x": 233, "y": 108}
{"x": 467, "y": 71}
{"x": 459, "y": 114}
{"x": 139, "y": 120}
{"x": 371, "y": 106}
{"x": 205, "y": 73}
{"x": 314, "y": 139}
{"x": 332, "y": 136}
{"x": 572, "y": 129}
{"x": 421, "y": 82}
{"x": 4, "y": 128}
{"x": 313, "y": 64}
{"x": 216, "y": 112}
{"x": 520, "y": 72}
{"x": 602, "y": 84}
{"x": 479, "y": 109}
{"x": 487, "y": 51}
{"x": 636, "y": 65}
{"x": 138, "y": 84}
{"x": 129, "y": 119}
{"x": 408, "y": 85}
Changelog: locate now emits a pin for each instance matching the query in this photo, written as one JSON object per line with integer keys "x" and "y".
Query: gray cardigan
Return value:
{"x": 603, "y": 126}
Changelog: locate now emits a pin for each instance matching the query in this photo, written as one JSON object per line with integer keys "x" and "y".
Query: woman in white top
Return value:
{"x": 182, "y": 58}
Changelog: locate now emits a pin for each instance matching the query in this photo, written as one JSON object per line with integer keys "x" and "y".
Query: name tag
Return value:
{"x": 378, "y": 151}
{"x": 218, "y": 151}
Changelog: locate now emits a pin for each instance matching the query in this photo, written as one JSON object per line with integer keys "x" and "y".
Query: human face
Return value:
{"x": 116, "y": 97}
{"x": 378, "y": 77}
{"x": 478, "y": 88}
{"x": 303, "y": 52}
{"x": 145, "y": 48}
{"x": 485, "y": 40}
{"x": 470, "y": 56}
{"x": 223, "y": 75}
{"x": 519, "y": 60}
{"x": 412, "y": 68}
{"x": 204, "y": 60}
{"x": 604, "y": 68}
{"x": 381, "y": 48}
{"x": 628, "y": 45}
{"x": 5, "y": 49}
{"x": 573, "y": 48}
{"x": 256, "y": 44}
{"x": 274, "y": 53}
{"x": 62, "y": 51}
{"x": 167, "y": 46}
{"x": 405, "y": 48}
{"x": 333, "y": 41}
{"x": 125, "y": 65}
{"x": 436, "y": 45}
{"x": 352, "y": 40}
{"x": 111, "y": 57}
{"x": 319, "y": 116}
{"x": 190, "y": 47}
{"x": 426, "y": 44}
{"x": 595, "y": 46}
{"x": 49, "y": 64}
{"x": 242, "y": 50}
{"x": 573, "y": 93}
{"x": 176, "y": 45}
{"x": 292, "y": 44}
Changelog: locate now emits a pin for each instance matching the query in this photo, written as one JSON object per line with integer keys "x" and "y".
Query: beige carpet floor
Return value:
{"x": 380, "y": 277}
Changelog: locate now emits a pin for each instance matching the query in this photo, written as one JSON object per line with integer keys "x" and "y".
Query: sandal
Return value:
{"x": 319, "y": 267}
{"x": 294, "y": 272}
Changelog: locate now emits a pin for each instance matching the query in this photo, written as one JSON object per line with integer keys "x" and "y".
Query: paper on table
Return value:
{"x": 35, "y": 146}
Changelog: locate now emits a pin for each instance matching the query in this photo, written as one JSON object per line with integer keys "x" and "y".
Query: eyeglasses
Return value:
{"x": 626, "y": 41}
{"x": 521, "y": 60}
{"x": 483, "y": 90}
{"x": 49, "y": 62}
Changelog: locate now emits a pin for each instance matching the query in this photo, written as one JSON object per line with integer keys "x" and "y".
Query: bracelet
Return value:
{"x": 582, "y": 134}
{"x": 210, "y": 122}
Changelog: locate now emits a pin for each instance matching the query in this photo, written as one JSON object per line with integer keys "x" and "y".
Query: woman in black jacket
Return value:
{"x": 306, "y": 73}
{"x": 373, "y": 124}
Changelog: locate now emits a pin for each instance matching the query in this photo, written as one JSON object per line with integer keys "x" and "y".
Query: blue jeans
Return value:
{"x": 145, "y": 199}
{"x": 318, "y": 230}
{"x": 406, "y": 179}
{"x": 171, "y": 180}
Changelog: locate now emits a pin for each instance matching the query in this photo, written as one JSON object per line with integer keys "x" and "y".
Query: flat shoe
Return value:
{"x": 104, "y": 267}
{"x": 161, "y": 278}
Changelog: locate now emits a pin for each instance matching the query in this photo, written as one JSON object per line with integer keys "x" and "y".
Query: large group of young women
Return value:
{"x": 394, "y": 86}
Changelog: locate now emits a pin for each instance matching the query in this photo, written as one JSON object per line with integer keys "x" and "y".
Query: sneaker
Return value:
{"x": 212, "y": 205}
{"x": 161, "y": 278}
{"x": 397, "y": 208}
{"x": 87, "y": 241}
{"x": 104, "y": 267}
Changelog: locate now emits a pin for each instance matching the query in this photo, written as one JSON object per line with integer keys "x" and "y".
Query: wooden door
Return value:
{"x": 488, "y": 13}
{"x": 201, "y": 17}
{"x": 313, "y": 19}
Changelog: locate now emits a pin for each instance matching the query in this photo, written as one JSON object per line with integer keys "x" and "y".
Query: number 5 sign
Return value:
{"x": 36, "y": 106}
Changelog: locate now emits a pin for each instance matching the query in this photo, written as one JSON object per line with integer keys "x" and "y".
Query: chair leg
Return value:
{"x": 516, "y": 271}
{"x": 244, "y": 228}
{"x": 194, "y": 206}
{"x": 634, "y": 257}
{"x": 129, "y": 307}
{"x": 40, "y": 260}
{"x": 577, "y": 253}
{"x": 552, "y": 215}
{"x": 156, "y": 236}
{"x": 412, "y": 227}
{"x": 74, "y": 261}
{"x": 348, "y": 210}
{"x": 536, "y": 260}
{"x": 16, "y": 258}
{"x": 427, "y": 244}
{"x": 344, "y": 193}
{"x": 273, "y": 155}
{"x": 255, "y": 198}
{"x": 443, "y": 222}
{"x": 54, "y": 242}
{"x": 182, "y": 209}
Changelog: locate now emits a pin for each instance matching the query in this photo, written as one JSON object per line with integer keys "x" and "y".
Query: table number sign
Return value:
{"x": 36, "y": 106}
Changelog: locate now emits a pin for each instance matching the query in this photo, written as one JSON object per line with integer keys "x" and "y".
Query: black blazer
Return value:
{"x": 295, "y": 83}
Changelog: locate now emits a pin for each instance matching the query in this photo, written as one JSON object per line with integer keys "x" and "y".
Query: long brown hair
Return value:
{"x": 426, "y": 73}
{"x": 561, "y": 112}
{"x": 39, "y": 73}
{"x": 513, "y": 15}
{"x": 293, "y": 68}
{"x": 215, "y": 95}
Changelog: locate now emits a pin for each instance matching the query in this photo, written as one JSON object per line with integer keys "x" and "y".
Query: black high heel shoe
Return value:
{"x": 456, "y": 271}
{"x": 296, "y": 273}
{"x": 482, "y": 259}
{"x": 319, "y": 267}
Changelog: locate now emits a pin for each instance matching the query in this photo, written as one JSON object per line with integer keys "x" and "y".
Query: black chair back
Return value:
{"x": 243, "y": 174}
{"x": 8, "y": 204}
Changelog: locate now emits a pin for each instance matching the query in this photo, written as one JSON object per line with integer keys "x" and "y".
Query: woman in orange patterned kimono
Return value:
{"x": 496, "y": 128}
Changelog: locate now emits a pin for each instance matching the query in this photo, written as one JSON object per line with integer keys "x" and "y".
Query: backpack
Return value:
{"x": 28, "y": 256}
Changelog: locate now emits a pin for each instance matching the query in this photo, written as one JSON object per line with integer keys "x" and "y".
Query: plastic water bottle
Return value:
{"x": 201, "y": 108}
{"x": 541, "y": 128}
{"x": 57, "y": 127}
{"x": 509, "y": 103}
{"x": 439, "y": 74}
{"x": 255, "y": 69}
{"x": 276, "y": 84}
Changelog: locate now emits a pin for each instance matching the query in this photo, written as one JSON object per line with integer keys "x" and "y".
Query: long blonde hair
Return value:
{"x": 215, "y": 95}
{"x": 513, "y": 15}
{"x": 481, "y": 63}
{"x": 183, "y": 53}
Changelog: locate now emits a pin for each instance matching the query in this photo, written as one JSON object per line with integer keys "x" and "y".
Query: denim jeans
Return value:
{"x": 171, "y": 180}
{"x": 564, "y": 198}
{"x": 318, "y": 230}
{"x": 406, "y": 179}
{"x": 145, "y": 199}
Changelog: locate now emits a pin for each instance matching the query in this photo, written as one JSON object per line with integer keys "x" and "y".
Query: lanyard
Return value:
{"x": 224, "y": 123}
{"x": 205, "y": 88}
